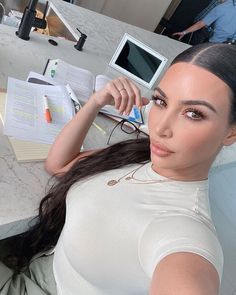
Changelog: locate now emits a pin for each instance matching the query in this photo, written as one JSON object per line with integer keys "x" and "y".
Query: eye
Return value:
{"x": 194, "y": 114}
{"x": 159, "y": 101}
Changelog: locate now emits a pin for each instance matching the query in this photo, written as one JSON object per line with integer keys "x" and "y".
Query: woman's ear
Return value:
{"x": 231, "y": 137}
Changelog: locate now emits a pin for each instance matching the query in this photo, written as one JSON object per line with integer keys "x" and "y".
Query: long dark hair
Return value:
{"x": 219, "y": 59}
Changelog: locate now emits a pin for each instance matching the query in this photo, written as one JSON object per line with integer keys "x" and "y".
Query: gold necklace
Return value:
{"x": 113, "y": 182}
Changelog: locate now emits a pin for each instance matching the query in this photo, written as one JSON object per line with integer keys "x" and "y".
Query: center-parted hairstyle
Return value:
{"x": 219, "y": 59}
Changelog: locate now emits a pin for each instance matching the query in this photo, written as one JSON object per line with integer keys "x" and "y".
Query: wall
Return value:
{"x": 17, "y": 4}
{"x": 142, "y": 13}
{"x": 171, "y": 9}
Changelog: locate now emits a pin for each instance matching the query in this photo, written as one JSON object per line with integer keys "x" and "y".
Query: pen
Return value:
{"x": 47, "y": 112}
{"x": 99, "y": 128}
{"x": 72, "y": 94}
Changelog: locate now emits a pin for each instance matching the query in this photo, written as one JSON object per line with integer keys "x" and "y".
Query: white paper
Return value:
{"x": 24, "y": 112}
{"x": 34, "y": 77}
{"x": 101, "y": 81}
{"x": 80, "y": 80}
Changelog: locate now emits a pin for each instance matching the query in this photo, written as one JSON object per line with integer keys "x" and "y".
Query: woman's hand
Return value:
{"x": 122, "y": 93}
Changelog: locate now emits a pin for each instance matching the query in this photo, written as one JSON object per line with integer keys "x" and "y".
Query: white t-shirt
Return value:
{"x": 114, "y": 236}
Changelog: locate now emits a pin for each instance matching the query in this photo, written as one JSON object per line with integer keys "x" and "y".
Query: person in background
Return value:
{"x": 206, "y": 10}
{"x": 223, "y": 16}
{"x": 134, "y": 218}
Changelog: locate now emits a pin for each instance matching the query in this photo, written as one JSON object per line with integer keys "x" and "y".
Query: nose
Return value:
{"x": 164, "y": 126}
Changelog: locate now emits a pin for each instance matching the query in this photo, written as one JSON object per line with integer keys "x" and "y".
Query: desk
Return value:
{"x": 104, "y": 33}
{"x": 23, "y": 185}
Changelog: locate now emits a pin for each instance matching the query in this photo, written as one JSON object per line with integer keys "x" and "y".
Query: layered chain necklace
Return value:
{"x": 131, "y": 176}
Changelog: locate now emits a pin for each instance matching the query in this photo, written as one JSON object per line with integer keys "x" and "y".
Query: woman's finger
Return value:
{"x": 137, "y": 95}
{"x": 114, "y": 93}
{"x": 124, "y": 100}
{"x": 130, "y": 93}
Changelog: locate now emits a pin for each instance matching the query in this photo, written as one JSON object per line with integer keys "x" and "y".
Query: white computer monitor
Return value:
{"x": 138, "y": 61}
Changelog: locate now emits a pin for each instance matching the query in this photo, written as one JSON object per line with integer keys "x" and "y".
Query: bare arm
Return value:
{"x": 66, "y": 148}
{"x": 184, "y": 274}
{"x": 195, "y": 27}
{"x": 121, "y": 93}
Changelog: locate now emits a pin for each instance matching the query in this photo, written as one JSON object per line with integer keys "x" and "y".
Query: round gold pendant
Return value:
{"x": 112, "y": 182}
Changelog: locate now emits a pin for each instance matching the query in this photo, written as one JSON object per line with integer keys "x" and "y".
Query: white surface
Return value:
{"x": 105, "y": 33}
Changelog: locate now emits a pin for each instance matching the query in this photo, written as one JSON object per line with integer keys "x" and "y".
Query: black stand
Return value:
{"x": 79, "y": 45}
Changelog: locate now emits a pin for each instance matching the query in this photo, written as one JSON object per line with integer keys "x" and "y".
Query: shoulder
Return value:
{"x": 216, "y": 12}
{"x": 224, "y": 7}
{"x": 179, "y": 233}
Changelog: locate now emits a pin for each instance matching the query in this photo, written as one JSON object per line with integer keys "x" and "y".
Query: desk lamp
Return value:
{"x": 30, "y": 20}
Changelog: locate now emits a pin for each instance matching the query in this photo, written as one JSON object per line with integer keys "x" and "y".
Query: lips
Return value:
{"x": 160, "y": 150}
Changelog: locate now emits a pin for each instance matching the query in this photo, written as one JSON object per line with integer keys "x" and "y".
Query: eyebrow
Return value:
{"x": 198, "y": 102}
{"x": 190, "y": 102}
{"x": 161, "y": 92}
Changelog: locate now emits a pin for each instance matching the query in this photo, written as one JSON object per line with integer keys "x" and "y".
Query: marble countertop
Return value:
{"x": 24, "y": 183}
{"x": 104, "y": 33}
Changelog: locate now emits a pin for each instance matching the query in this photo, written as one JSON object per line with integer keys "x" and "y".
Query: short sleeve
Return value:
{"x": 173, "y": 234}
{"x": 212, "y": 16}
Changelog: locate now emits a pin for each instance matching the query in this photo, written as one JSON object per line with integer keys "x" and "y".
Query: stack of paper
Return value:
{"x": 25, "y": 150}
{"x": 23, "y": 113}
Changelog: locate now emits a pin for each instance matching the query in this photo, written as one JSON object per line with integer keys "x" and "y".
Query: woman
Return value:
{"x": 134, "y": 218}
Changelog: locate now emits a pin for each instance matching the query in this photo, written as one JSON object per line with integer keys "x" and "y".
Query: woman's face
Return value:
{"x": 188, "y": 122}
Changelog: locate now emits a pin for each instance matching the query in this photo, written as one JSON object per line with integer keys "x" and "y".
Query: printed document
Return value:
{"x": 25, "y": 111}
